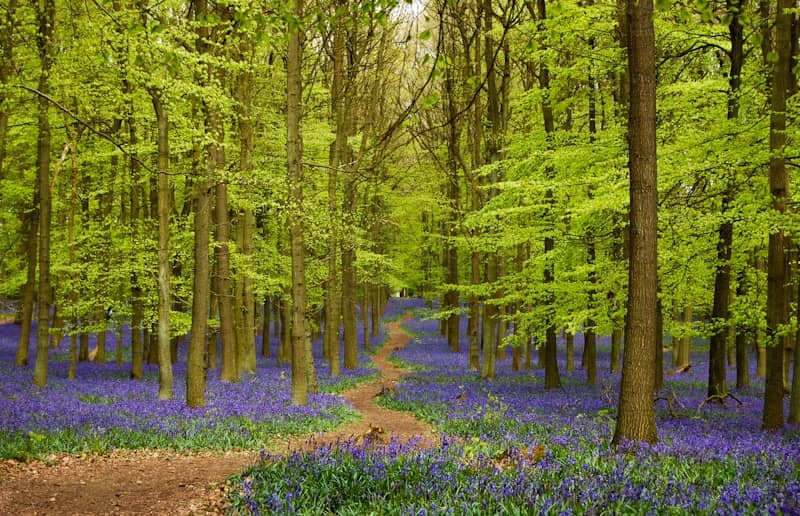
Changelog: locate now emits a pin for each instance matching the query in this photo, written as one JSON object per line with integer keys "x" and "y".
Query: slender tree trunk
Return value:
{"x": 246, "y": 215}
{"x": 551, "y": 376}
{"x": 265, "y": 323}
{"x": 165, "y": 388}
{"x": 451, "y": 301}
{"x": 794, "y": 403}
{"x": 46, "y": 17}
{"x": 636, "y": 413}
{"x": 285, "y": 351}
{"x": 779, "y": 190}
{"x": 659, "y": 347}
{"x": 8, "y": 23}
{"x": 276, "y": 316}
{"x": 365, "y": 316}
{"x": 196, "y": 361}
{"x": 475, "y": 136}
{"x": 569, "y": 346}
{"x": 137, "y": 306}
{"x": 589, "y": 337}
{"x": 722, "y": 280}
{"x": 742, "y": 358}
{"x": 377, "y": 311}
{"x": 349, "y": 280}
{"x": 333, "y": 293}
{"x": 31, "y": 226}
{"x": 294, "y": 91}
{"x": 232, "y": 367}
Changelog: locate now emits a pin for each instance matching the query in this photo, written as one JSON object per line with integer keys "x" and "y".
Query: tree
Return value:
{"x": 294, "y": 90}
{"x": 777, "y": 302}
{"x": 636, "y": 413}
{"x": 45, "y": 40}
{"x": 164, "y": 267}
{"x": 717, "y": 387}
{"x": 195, "y": 373}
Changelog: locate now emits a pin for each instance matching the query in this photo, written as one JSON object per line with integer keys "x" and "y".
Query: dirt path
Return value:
{"x": 168, "y": 482}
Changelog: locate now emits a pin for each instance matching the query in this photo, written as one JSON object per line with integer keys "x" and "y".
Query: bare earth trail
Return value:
{"x": 169, "y": 482}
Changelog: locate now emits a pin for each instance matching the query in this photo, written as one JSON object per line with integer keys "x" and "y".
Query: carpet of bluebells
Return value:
{"x": 508, "y": 446}
{"x": 103, "y": 409}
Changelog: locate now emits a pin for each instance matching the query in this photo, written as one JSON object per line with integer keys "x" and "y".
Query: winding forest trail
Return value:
{"x": 170, "y": 482}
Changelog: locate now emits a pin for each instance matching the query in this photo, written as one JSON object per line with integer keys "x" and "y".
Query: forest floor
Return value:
{"x": 174, "y": 482}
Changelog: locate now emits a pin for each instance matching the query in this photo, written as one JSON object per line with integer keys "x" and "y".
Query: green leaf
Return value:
{"x": 430, "y": 100}
{"x": 425, "y": 35}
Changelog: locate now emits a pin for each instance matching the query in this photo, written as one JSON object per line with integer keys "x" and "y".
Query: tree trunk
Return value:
{"x": 246, "y": 215}
{"x": 7, "y": 67}
{"x": 285, "y": 350}
{"x": 551, "y": 376}
{"x": 779, "y": 190}
{"x": 31, "y": 226}
{"x": 137, "y": 307}
{"x": 794, "y": 403}
{"x": 569, "y": 346}
{"x": 333, "y": 292}
{"x": 265, "y": 333}
{"x": 46, "y": 17}
{"x": 722, "y": 280}
{"x": 742, "y": 358}
{"x": 451, "y": 303}
{"x": 589, "y": 338}
{"x": 365, "y": 316}
{"x": 349, "y": 279}
{"x": 658, "y": 368}
{"x": 230, "y": 370}
{"x": 636, "y": 413}
{"x": 196, "y": 361}
{"x": 165, "y": 388}
{"x": 294, "y": 91}
{"x": 377, "y": 310}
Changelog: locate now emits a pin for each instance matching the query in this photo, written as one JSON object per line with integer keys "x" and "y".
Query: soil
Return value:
{"x": 173, "y": 482}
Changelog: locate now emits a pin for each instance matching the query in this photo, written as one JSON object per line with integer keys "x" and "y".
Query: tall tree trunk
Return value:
{"x": 137, "y": 306}
{"x": 164, "y": 267}
{"x": 285, "y": 349}
{"x": 45, "y": 38}
{"x": 451, "y": 225}
{"x": 31, "y": 225}
{"x": 589, "y": 337}
{"x": 196, "y": 360}
{"x": 265, "y": 322}
{"x": 232, "y": 367}
{"x": 246, "y": 215}
{"x": 475, "y": 133}
{"x": 294, "y": 91}
{"x": 349, "y": 278}
{"x": 636, "y": 414}
{"x": 377, "y": 310}
{"x": 717, "y": 385}
{"x": 7, "y": 25}
{"x": 551, "y": 376}
{"x": 742, "y": 358}
{"x": 365, "y": 315}
{"x": 794, "y": 403}
{"x": 333, "y": 291}
{"x": 779, "y": 190}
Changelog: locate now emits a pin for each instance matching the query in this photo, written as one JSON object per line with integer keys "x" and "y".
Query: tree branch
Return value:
{"x": 87, "y": 125}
